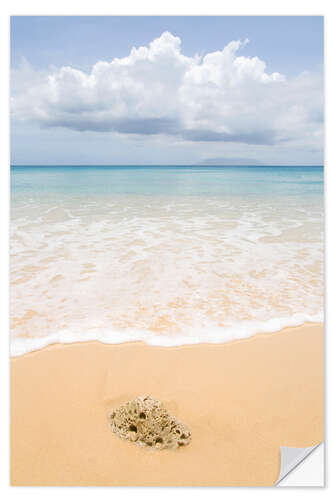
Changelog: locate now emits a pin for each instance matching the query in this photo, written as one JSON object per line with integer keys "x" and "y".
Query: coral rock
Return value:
{"x": 146, "y": 422}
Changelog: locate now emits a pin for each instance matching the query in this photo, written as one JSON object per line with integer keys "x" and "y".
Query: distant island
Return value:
{"x": 224, "y": 161}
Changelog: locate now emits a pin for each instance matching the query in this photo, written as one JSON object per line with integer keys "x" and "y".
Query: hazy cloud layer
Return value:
{"x": 220, "y": 97}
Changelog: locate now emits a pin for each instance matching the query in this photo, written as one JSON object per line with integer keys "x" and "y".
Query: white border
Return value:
{"x": 138, "y": 7}
{"x": 172, "y": 7}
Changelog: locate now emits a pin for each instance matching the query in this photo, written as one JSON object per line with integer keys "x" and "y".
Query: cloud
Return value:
{"x": 143, "y": 126}
{"x": 257, "y": 137}
{"x": 219, "y": 97}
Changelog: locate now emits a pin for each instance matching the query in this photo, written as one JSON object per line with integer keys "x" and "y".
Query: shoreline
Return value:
{"x": 241, "y": 399}
{"x": 161, "y": 345}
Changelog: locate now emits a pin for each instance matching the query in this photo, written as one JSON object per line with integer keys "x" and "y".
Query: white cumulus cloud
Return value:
{"x": 220, "y": 97}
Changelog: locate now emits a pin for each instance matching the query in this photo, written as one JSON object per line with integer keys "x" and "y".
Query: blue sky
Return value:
{"x": 192, "y": 96}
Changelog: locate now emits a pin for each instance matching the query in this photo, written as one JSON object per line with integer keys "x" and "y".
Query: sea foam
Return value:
{"x": 168, "y": 270}
{"x": 20, "y": 346}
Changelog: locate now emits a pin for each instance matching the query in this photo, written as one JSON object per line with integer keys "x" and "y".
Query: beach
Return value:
{"x": 199, "y": 286}
{"x": 167, "y": 248}
{"x": 242, "y": 400}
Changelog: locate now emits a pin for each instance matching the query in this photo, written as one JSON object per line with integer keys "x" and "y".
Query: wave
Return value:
{"x": 20, "y": 346}
{"x": 163, "y": 270}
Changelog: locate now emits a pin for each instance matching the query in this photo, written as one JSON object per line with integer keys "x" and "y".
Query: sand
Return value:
{"x": 241, "y": 400}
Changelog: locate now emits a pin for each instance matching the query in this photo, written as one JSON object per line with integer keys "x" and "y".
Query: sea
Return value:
{"x": 169, "y": 255}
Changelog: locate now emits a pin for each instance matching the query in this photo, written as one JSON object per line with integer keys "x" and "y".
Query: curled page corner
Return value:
{"x": 291, "y": 457}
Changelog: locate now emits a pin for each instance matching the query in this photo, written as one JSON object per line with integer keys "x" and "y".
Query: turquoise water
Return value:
{"x": 167, "y": 255}
{"x": 176, "y": 180}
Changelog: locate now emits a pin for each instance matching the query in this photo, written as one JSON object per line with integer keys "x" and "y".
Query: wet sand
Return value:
{"x": 241, "y": 400}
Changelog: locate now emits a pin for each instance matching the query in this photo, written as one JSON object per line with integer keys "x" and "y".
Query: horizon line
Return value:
{"x": 158, "y": 165}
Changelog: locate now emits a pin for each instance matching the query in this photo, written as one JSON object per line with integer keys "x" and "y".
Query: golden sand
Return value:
{"x": 241, "y": 400}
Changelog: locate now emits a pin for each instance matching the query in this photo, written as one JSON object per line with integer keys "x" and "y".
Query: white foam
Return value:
{"x": 169, "y": 271}
{"x": 20, "y": 346}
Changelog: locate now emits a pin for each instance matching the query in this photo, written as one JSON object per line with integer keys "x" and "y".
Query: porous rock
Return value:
{"x": 145, "y": 421}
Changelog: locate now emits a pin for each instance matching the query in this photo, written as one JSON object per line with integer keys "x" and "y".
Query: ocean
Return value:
{"x": 169, "y": 255}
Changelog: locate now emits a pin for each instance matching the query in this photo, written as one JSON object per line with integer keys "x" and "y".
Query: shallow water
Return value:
{"x": 169, "y": 255}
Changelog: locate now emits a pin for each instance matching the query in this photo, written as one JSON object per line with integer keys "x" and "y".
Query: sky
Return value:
{"x": 167, "y": 90}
